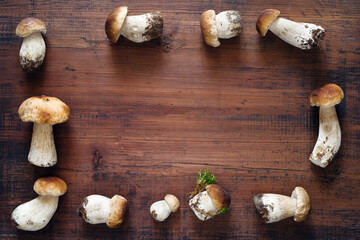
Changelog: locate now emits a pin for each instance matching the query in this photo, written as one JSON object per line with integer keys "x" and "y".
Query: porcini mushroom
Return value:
{"x": 33, "y": 48}
{"x": 96, "y": 209}
{"x": 139, "y": 28}
{"x": 302, "y": 35}
{"x": 276, "y": 207}
{"x": 329, "y": 138}
{"x": 36, "y": 214}
{"x": 208, "y": 199}
{"x": 44, "y": 112}
{"x": 223, "y": 25}
{"x": 161, "y": 210}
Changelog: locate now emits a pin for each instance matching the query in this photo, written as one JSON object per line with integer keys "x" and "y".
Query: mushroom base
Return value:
{"x": 35, "y": 214}
{"x": 42, "y": 150}
{"x": 203, "y": 206}
{"x": 329, "y": 139}
{"x": 142, "y": 28}
{"x": 32, "y": 52}
{"x": 275, "y": 207}
{"x": 302, "y": 35}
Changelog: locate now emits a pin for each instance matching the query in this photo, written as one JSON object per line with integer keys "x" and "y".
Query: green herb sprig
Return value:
{"x": 202, "y": 181}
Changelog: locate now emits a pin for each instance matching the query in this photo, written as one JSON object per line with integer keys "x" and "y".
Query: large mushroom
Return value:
{"x": 276, "y": 207}
{"x": 139, "y": 28}
{"x": 36, "y": 214}
{"x": 96, "y": 209}
{"x": 33, "y": 48}
{"x": 162, "y": 209}
{"x": 302, "y": 35}
{"x": 224, "y": 25}
{"x": 208, "y": 199}
{"x": 44, "y": 112}
{"x": 329, "y": 138}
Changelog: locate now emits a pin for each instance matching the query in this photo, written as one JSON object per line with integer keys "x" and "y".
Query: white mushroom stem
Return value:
{"x": 203, "y": 206}
{"x": 160, "y": 210}
{"x": 228, "y": 24}
{"x": 32, "y": 51}
{"x": 142, "y": 28}
{"x": 35, "y": 214}
{"x": 275, "y": 207}
{"x": 42, "y": 150}
{"x": 301, "y": 35}
{"x": 329, "y": 138}
{"x": 95, "y": 209}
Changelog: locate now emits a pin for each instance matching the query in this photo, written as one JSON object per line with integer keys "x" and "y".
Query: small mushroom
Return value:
{"x": 215, "y": 200}
{"x": 139, "y": 28}
{"x": 44, "y": 112}
{"x": 36, "y": 214}
{"x": 223, "y": 25}
{"x": 276, "y": 207}
{"x": 302, "y": 35}
{"x": 96, "y": 209}
{"x": 33, "y": 48}
{"x": 161, "y": 210}
{"x": 329, "y": 138}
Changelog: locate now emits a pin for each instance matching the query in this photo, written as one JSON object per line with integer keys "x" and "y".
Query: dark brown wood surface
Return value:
{"x": 146, "y": 117}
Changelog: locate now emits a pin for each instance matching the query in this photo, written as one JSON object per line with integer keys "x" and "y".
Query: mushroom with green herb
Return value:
{"x": 208, "y": 198}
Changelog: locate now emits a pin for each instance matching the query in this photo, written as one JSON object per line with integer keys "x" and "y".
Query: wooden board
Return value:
{"x": 145, "y": 118}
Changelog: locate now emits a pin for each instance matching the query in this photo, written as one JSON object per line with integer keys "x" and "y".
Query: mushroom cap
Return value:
{"x": 302, "y": 204}
{"x": 30, "y": 25}
{"x": 118, "y": 205}
{"x": 208, "y": 28}
{"x": 50, "y": 186}
{"x": 265, "y": 19}
{"x": 172, "y": 201}
{"x": 326, "y": 96}
{"x": 114, "y": 23}
{"x": 44, "y": 110}
{"x": 219, "y": 196}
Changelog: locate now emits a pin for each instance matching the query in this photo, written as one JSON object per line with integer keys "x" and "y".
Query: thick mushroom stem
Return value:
{"x": 142, "y": 28}
{"x": 275, "y": 207}
{"x": 203, "y": 206}
{"x": 95, "y": 209}
{"x": 35, "y": 214}
{"x": 160, "y": 210}
{"x": 329, "y": 138}
{"x": 228, "y": 24}
{"x": 42, "y": 150}
{"x": 32, "y": 52}
{"x": 301, "y": 35}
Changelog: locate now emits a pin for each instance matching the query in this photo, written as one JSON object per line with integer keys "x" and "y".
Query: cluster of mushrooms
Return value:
{"x": 208, "y": 198}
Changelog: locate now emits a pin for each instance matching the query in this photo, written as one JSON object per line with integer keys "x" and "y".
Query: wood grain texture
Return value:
{"x": 146, "y": 117}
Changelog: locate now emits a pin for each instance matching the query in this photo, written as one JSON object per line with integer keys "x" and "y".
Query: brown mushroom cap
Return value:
{"x": 326, "y": 96}
{"x": 208, "y": 28}
{"x": 302, "y": 204}
{"x": 116, "y": 216}
{"x": 30, "y": 25}
{"x": 50, "y": 186}
{"x": 114, "y": 23}
{"x": 172, "y": 201}
{"x": 265, "y": 19}
{"x": 44, "y": 110}
{"x": 219, "y": 196}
